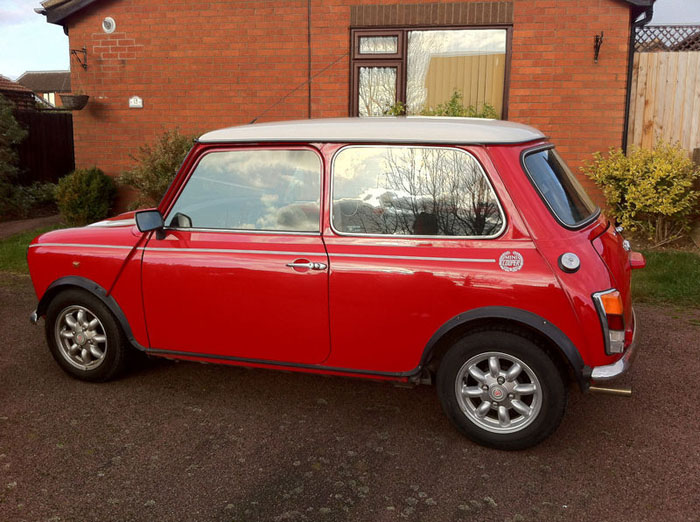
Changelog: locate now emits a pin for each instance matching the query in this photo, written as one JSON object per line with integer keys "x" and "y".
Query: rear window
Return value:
{"x": 559, "y": 188}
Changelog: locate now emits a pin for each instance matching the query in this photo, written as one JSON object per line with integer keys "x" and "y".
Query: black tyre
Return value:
{"x": 501, "y": 390}
{"x": 84, "y": 337}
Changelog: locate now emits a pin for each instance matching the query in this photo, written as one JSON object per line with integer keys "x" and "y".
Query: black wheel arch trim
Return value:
{"x": 97, "y": 291}
{"x": 516, "y": 315}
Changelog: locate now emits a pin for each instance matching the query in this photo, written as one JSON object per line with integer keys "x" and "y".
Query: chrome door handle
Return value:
{"x": 310, "y": 266}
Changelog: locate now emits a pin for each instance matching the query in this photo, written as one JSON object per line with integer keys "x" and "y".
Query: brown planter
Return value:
{"x": 74, "y": 102}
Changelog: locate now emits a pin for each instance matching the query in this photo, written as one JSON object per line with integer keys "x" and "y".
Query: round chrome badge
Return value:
{"x": 510, "y": 261}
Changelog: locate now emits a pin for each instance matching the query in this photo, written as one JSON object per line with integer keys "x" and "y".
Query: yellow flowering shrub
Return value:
{"x": 650, "y": 192}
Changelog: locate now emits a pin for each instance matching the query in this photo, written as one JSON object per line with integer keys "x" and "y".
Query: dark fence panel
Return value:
{"x": 47, "y": 152}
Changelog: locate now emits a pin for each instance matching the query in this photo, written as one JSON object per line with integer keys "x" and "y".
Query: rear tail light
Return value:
{"x": 611, "y": 312}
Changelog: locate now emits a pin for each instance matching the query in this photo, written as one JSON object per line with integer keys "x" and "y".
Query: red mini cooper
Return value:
{"x": 398, "y": 249}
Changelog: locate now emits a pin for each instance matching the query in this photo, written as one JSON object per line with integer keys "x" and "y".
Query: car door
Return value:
{"x": 240, "y": 271}
{"x": 414, "y": 240}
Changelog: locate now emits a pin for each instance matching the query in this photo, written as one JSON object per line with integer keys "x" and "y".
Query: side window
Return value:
{"x": 270, "y": 190}
{"x": 405, "y": 191}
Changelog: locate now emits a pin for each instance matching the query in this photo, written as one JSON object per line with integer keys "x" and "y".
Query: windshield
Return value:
{"x": 559, "y": 188}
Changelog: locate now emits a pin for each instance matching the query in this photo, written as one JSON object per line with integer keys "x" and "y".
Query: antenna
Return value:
{"x": 298, "y": 87}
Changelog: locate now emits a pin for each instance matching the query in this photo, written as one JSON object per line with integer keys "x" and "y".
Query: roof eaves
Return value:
{"x": 57, "y": 11}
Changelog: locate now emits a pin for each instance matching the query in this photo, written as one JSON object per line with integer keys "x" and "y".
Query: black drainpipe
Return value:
{"x": 648, "y": 13}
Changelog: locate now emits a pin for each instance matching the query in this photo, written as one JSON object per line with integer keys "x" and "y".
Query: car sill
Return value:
{"x": 301, "y": 366}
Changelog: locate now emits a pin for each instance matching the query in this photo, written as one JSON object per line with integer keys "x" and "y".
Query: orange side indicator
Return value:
{"x": 612, "y": 303}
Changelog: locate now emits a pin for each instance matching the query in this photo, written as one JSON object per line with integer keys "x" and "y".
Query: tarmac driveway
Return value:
{"x": 201, "y": 442}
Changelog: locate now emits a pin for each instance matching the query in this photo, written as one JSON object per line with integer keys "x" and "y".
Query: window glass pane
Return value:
{"x": 377, "y": 90}
{"x": 412, "y": 191}
{"x": 559, "y": 187}
{"x": 471, "y": 63}
{"x": 379, "y": 44}
{"x": 252, "y": 190}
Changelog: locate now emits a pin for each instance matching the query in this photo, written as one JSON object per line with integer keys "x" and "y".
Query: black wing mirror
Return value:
{"x": 147, "y": 220}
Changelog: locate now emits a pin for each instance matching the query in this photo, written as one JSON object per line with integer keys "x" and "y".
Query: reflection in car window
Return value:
{"x": 419, "y": 191}
{"x": 252, "y": 190}
{"x": 559, "y": 187}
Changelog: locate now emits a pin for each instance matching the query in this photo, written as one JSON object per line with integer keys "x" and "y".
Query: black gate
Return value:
{"x": 46, "y": 154}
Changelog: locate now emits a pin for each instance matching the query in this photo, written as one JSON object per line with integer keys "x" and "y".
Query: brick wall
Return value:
{"x": 212, "y": 64}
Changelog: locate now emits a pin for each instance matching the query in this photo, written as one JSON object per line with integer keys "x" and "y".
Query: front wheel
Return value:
{"x": 84, "y": 338}
{"x": 501, "y": 390}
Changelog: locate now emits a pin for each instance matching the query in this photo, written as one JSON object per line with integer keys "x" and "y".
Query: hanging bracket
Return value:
{"x": 597, "y": 42}
{"x": 77, "y": 53}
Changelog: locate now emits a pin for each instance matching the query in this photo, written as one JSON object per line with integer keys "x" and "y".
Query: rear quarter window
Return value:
{"x": 413, "y": 191}
{"x": 559, "y": 188}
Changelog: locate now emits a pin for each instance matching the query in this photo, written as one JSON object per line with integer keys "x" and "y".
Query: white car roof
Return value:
{"x": 409, "y": 129}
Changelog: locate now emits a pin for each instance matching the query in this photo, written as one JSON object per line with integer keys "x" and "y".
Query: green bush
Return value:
{"x": 11, "y": 134}
{"x": 18, "y": 202}
{"x": 156, "y": 167}
{"x": 453, "y": 107}
{"x": 85, "y": 196}
{"x": 649, "y": 191}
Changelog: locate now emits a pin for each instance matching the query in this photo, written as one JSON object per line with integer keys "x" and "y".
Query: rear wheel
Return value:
{"x": 501, "y": 389}
{"x": 84, "y": 337}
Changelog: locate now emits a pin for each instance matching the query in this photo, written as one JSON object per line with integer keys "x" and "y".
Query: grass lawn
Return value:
{"x": 13, "y": 250}
{"x": 671, "y": 277}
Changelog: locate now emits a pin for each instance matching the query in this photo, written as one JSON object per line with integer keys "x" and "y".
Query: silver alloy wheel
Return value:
{"x": 80, "y": 337}
{"x": 498, "y": 392}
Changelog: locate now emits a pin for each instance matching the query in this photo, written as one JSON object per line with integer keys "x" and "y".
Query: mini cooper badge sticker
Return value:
{"x": 510, "y": 261}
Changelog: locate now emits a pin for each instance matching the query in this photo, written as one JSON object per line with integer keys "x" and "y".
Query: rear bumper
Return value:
{"x": 612, "y": 371}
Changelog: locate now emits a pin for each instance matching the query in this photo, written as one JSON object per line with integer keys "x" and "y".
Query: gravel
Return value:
{"x": 184, "y": 441}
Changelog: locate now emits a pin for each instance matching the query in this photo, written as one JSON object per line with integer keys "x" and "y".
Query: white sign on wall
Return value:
{"x": 135, "y": 103}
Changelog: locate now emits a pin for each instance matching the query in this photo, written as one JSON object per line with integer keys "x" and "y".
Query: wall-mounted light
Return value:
{"x": 597, "y": 42}
{"x": 77, "y": 53}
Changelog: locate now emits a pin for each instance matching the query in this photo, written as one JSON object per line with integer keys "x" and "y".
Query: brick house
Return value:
{"x": 201, "y": 66}
{"x": 47, "y": 84}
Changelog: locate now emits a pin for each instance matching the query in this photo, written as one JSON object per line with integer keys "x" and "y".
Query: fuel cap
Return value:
{"x": 569, "y": 262}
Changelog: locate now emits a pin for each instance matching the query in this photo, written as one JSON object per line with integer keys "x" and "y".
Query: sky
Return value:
{"x": 28, "y": 43}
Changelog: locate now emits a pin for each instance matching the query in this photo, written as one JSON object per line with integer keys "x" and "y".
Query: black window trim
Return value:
{"x": 501, "y": 209}
{"x": 575, "y": 226}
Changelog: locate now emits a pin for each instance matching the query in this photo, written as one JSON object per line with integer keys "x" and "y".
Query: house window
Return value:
{"x": 424, "y": 69}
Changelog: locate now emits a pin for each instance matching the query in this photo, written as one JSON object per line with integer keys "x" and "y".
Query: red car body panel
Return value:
{"x": 230, "y": 296}
{"x": 228, "y": 288}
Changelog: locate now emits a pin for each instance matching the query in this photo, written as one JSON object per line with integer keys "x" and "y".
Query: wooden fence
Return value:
{"x": 665, "y": 102}
{"x": 479, "y": 78}
{"x": 47, "y": 152}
